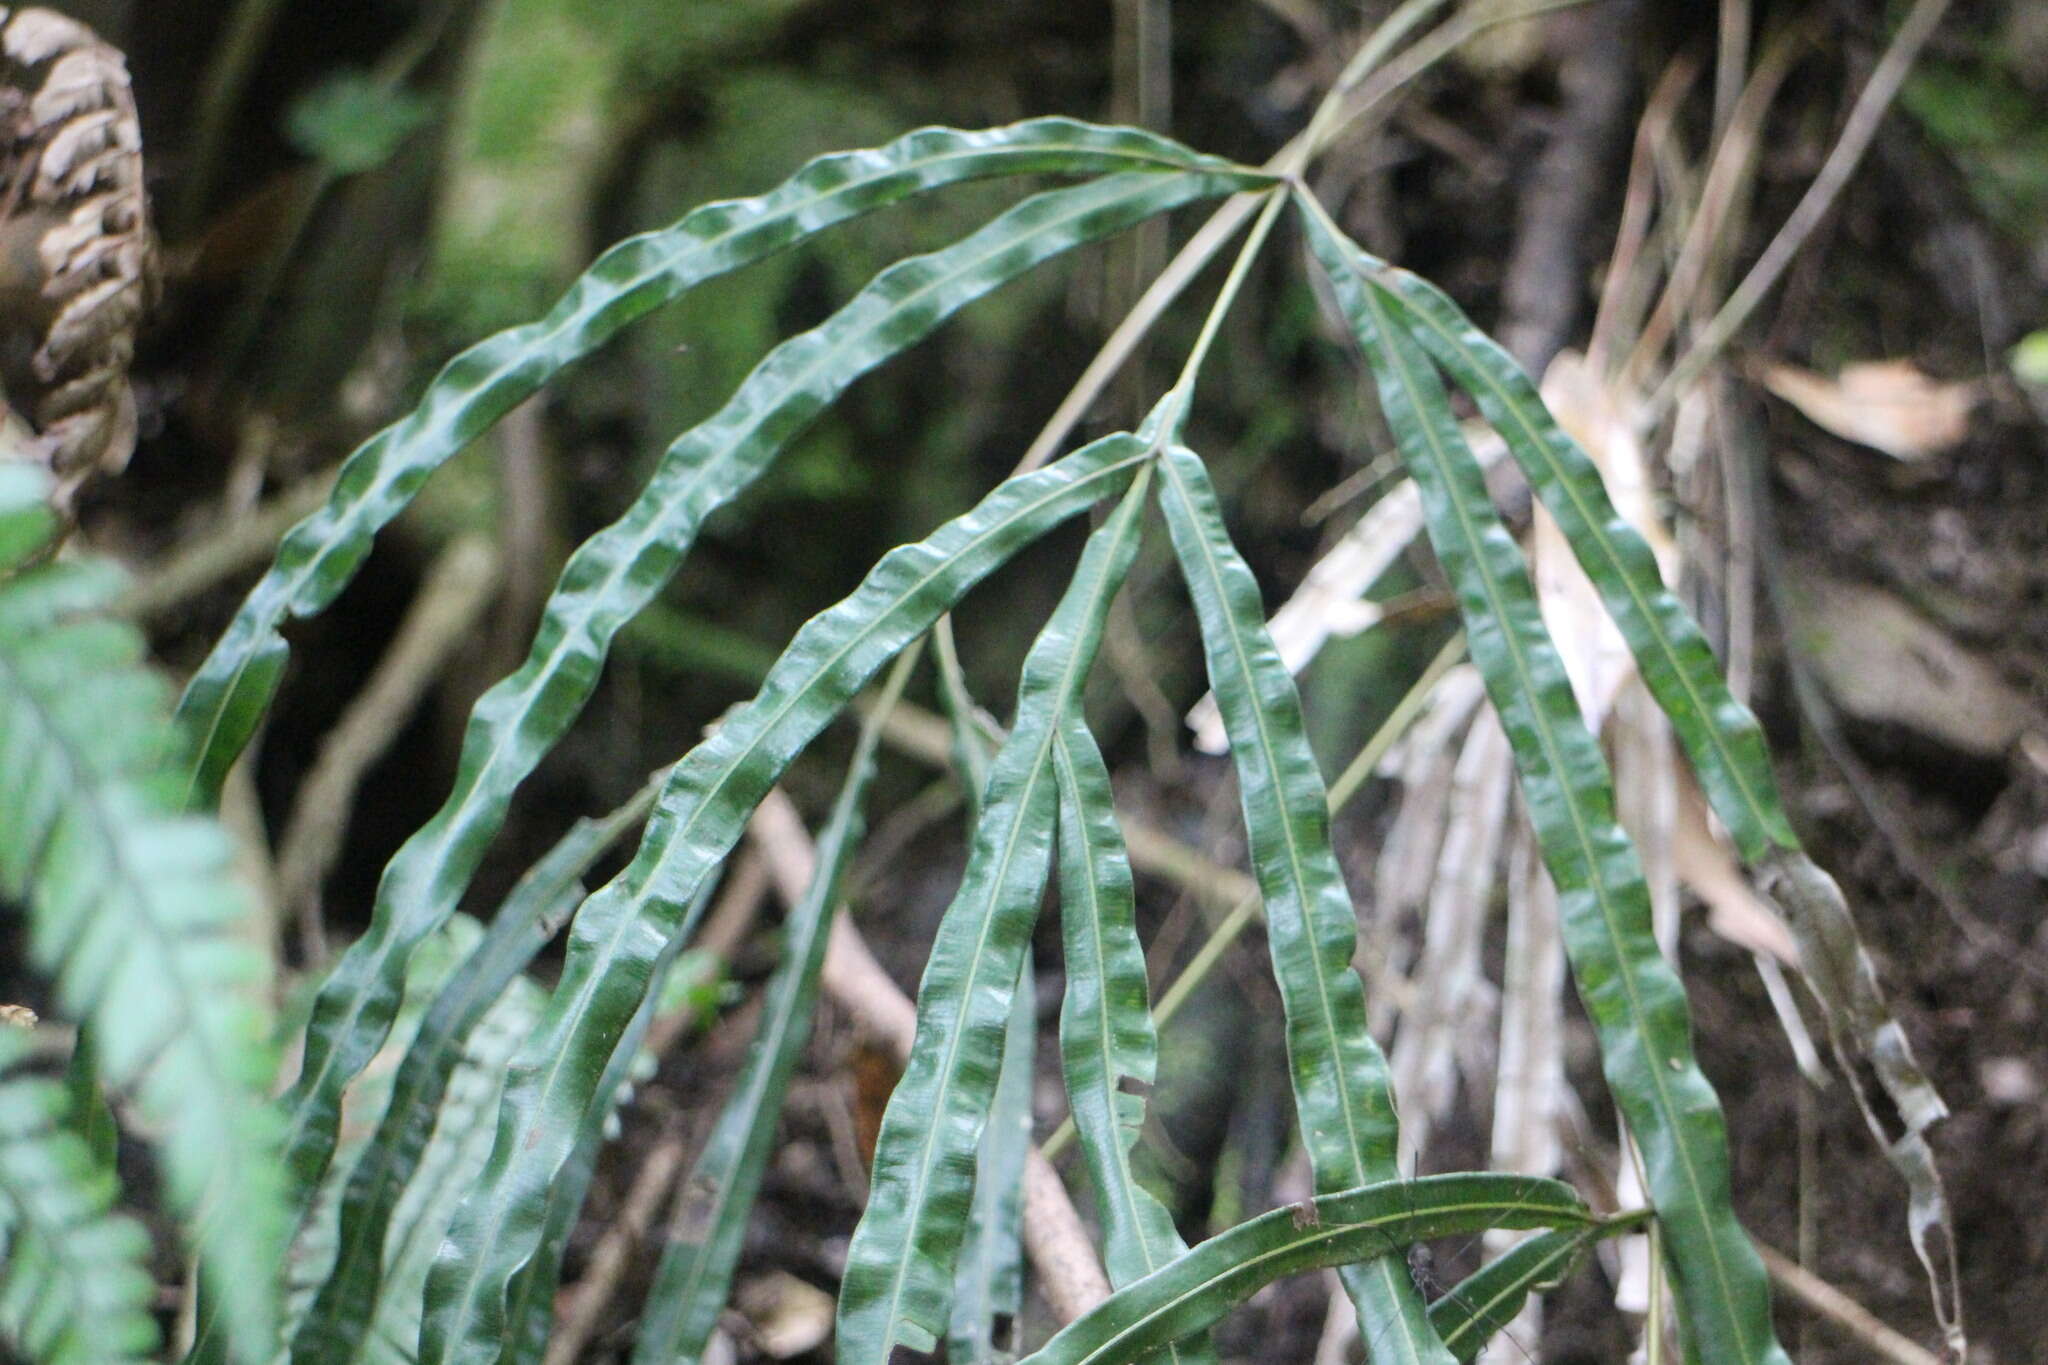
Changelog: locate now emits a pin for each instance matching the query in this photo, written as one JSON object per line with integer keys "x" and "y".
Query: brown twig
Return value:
{"x": 576, "y": 1321}
{"x": 1069, "y": 1273}
{"x": 454, "y": 594}
{"x": 222, "y": 550}
{"x": 1820, "y": 196}
{"x": 1542, "y": 292}
{"x": 1843, "y": 1311}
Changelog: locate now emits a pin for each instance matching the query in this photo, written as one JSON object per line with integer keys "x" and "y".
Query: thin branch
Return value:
{"x": 221, "y": 551}
{"x": 1844, "y": 1312}
{"x": 456, "y": 590}
{"x": 577, "y": 1321}
{"x": 1864, "y": 117}
{"x": 1060, "y": 1249}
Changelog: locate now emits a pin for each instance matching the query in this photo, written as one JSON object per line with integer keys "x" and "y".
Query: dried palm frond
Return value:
{"x": 77, "y": 263}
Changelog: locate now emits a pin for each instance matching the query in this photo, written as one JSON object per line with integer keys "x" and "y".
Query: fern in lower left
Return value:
{"x": 73, "y": 1288}
{"x": 134, "y": 917}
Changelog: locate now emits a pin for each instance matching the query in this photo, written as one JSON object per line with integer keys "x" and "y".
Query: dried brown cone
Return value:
{"x": 77, "y": 262}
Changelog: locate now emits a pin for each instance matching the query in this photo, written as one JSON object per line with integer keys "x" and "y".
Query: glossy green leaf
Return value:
{"x": 1342, "y": 1092}
{"x": 75, "y": 1287}
{"x": 1719, "y": 733}
{"x": 1485, "y": 1302}
{"x": 134, "y": 912}
{"x": 898, "y": 1282}
{"x": 233, "y": 687}
{"x": 700, "y": 815}
{"x": 988, "y": 1275}
{"x": 335, "y": 1330}
{"x": 1631, "y": 992}
{"x": 530, "y": 1300}
{"x": 1109, "y": 1049}
{"x": 316, "y": 1243}
{"x": 1373, "y": 1223}
{"x": 617, "y": 571}
{"x": 695, "y": 1272}
{"x": 460, "y": 1122}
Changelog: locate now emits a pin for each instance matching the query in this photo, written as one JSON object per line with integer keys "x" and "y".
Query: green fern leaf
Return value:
{"x": 1342, "y": 1093}
{"x": 132, "y": 909}
{"x": 530, "y": 1299}
{"x": 336, "y": 1329}
{"x": 1369, "y": 1224}
{"x": 1107, "y": 1039}
{"x": 619, "y": 931}
{"x": 1719, "y": 733}
{"x": 988, "y": 1275}
{"x": 621, "y": 568}
{"x": 1485, "y": 1302}
{"x": 899, "y": 1268}
{"x": 231, "y": 690}
{"x": 1631, "y": 992}
{"x": 74, "y": 1277}
{"x": 696, "y": 1266}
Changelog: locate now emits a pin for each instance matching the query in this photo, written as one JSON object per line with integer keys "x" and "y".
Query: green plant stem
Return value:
{"x": 1343, "y": 106}
{"x": 1246, "y": 910}
{"x": 1240, "y": 269}
{"x": 1324, "y": 122}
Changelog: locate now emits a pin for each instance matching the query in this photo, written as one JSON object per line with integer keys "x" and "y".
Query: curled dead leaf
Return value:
{"x": 1889, "y": 405}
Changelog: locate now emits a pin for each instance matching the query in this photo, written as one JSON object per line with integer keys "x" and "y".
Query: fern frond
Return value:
{"x": 132, "y": 909}
{"x": 74, "y": 1278}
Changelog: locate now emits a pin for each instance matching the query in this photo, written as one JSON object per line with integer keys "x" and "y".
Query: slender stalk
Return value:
{"x": 1348, "y": 100}
{"x": 1820, "y": 196}
{"x": 1240, "y": 269}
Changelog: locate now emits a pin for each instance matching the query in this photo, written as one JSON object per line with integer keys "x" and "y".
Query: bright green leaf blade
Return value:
{"x": 75, "y": 1287}
{"x": 335, "y": 1330}
{"x": 1374, "y": 1223}
{"x": 988, "y": 1274}
{"x": 464, "y": 1130}
{"x": 1720, "y": 733}
{"x": 1484, "y": 1303}
{"x": 461, "y": 1119}
{"x": 1108, "y": 1046}
{"x": 899, "y": 1267}
{"x": 691, "y": 1282}
{"x": 134, "y": 912}
{"x": 229, "y": 694}
{"x": 699, "y": 817}
{"x": 1342, "y": 1092}
{"x": 1630, "y": 990}
{"x": 530, "y": 1301}
{"x": 316, "y": 1242}
{"x": 616, "y": 572}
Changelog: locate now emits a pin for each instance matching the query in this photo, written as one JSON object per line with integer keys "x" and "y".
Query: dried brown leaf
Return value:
{"x": 1888, "y": 405}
